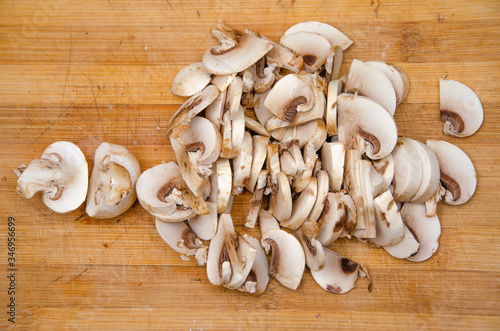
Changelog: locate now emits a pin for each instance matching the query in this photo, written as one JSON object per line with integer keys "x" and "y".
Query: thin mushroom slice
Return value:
{"x": 259, "y": 153}
{"x": 242, "y": 265}
{"x": 313, "y": 250}
{"x": 370, "y": 82}
{"x": 258, "y": 278}
{"x": 407, "y": 170}
{"x": 220, "y": 252}
{"x": 458, "y": 174}
{"x": 242, "y": 165}
{"x": 335, "y": 88}
{"x": 333, "y": 64}
{"x": 302, "y": 179}
{"x": 273, "y": 165}
{"x": 339, "y": 274}
{"x": 385, "y": 168}
{"x": 287, "y": 257}
{"x": 333, "y": 35}
{"x": 332, "y": 220}
{"x": 205, "y": 226}
{"x": 396, "y": 75}
{"x": 407, "y": 247}
{"x": 202, "y": 141}
{"x": 430, "y": 174}
{"x": 364, "y": 124}
{"x": 389, "y": 224}
{"x": 282, "y": 57}
{"x": 191, "y": 80}
{"x": 426, "y": 230}
{"x": 302, "y": 206}
{"x": 61, "y": 174}
{"x": 267, "y": 222}
{"x": 333, "y": 158}
{"x": 233, "y": 96}
{"x": 256, "y": 200}
{"x": 184, "y": 241}
{"x": 312, "y": 47}
{"x": 221, "y": 182}
{"x": 280, "y": 202}
{"x": 313, "y": 131}
{"x": 351, "y": 220}
{"x": 323, "y": 187}
{"x": 112, "y": 184}
{"x": 222, "y": 81}
{"x": 460, "y": 108}
{"x": 215, "y": 110}
{"x": 431, "y": 204}
{"x": 255, "y": 126}
{"x": 263, "y": 75}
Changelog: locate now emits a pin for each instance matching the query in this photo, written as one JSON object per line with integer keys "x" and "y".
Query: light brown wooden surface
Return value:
{"x": 100, "y": 70}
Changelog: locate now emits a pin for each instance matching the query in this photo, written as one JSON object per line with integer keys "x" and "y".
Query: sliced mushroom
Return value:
{"x": 223, "y": 81}
{"x": 287, "y": 258}
{"x": 333, "y": 64}
{"x": 179, "y": 122}
{"x": 61, "y": 174}
{"x": 164, "y": 194}
{"x": 301, "y": 180}
{"x": 364, "y": 124}
{"x": 313, "y": 250}
{"x": 319, "y": 205}
{"x": 233, "y": 96}
{"x": 458, "y": 174}
{"x": 282, "y": 57}
{"x": 376, "y": 180}
{"x": 245, "y": 257}
{"x": 368, "y": 81}
{"x": 233, "y": 132}
{"x": 302, "y": 206}
{"x": 389, "y": 222}
{"x": 184, "y": 241}
{"x": 352, "y": 217}
{"x": 396, "y": 75}
{"x": 407, "y": 170}
{"x": 431, "y": 204}
{"x": 273, "y": 164}
{"x": 255, "y": 126}
{"x": 335, "y": 88}
{"x": 267, "y": 222}
{"x": 339, "y": 274}
{"x": 221, "y": 182}
{"x": 385, "y": 168}
{"x": 191, "y": 80}
{"x": 430, "y": 174}
{"x": 215, "y": 110}
{"x": 333, "y": 158}
{"x": 460, "y": 107}
{"x": 256, "y": 201}
{"x": 261, "y": 112}
{"x": 280, "y": 202}
{"x": 205, "y": 226}
{"x": 258, "y": 278}
{"x": 112, "y": 184}
{"x": 426, "y": 230}
{"x": 332, "y": 220}
{"x": 313, "y": 131}
{"x": 408, "y": 246}
{"x": 202, "y": 141}
{"x": 259, "y": 153}
{"x": 311, "y": 46}
{"x": 333, "y": 35}
{"x": 365, "y": 211}
{"x": 263, "y": 75}
{"x": 242, "y": 165}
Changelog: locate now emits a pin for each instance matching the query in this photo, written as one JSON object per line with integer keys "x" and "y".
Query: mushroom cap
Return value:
{"x": 365, "y": 124}
{"x": 458, "y": 174}
{"x": 460, "y": 108}
{"x": 61, "y": 174}
{"x": 287, "y": 260}
{"x": 396, "y": 75}
{"x": 408, "y": 246}
{"x": 112, "y": 184}
{"x": 339, "y": 274}
{"x": 311, "y": 46}
{"x": 370, "y": 82}
{"x": 333, "y": 35}
{"x": 191, "y": 79}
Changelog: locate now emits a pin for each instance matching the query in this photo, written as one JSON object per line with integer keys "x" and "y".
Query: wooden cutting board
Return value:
{"x": 100, "y": 70}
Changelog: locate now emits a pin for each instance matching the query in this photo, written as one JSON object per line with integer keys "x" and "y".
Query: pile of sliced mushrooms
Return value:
{"x": 319, "y": 153}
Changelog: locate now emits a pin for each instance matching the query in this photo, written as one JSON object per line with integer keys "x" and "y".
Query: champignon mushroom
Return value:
{"x": 333, "y": 35}
{"x": 430, "y": 174}
{"x": 242, "y": 164}
{"x": 241, "y": 263}
{"x": 205, "y": 226}
{"x": 407, "y": 170}
{"x": 458, "y": 174}
{"x": 282, "y": 57}
{"x": 302, "y": 206}
{"x": 273, "y": 164}
{"x": 396, "y": 75}
{"x": 280, "y": 201}
{"x": 333, "y": 157}
{"x": 313, "y": 250}
{"x": 407, "y": 247}
{"x": 221, "y": 182}
{"x": 335, "y": 88}
{"x": 332, "y": 220}
{"x": 256, "y": 201}
{"x": 233, "y": 96}
{"x": 364, "y": 124}
{"x": 323, "y": 187}
{"x": 460, "y": 108}
{"x": 313, "y": 131}
{"x": 267, "y": 222}
{"x": 385, "y": 168}
{"x": 389, "y": 222}
{"x": 259, "y": 153}
{"x": 61, "y": 174}
{"x": 262, "y": 74}
{"x": 312, "y": 47}
{"x": 222, "y": 81}
{"x": 215, "y": 110}
{"x": 258, "y": 278}
{"x": 255, "y": 126}
{"x": 190, "y": 80}
{"x": 233, "y": 132}
{"x": 339, "y": 274}
{"x": 112, "y": 184}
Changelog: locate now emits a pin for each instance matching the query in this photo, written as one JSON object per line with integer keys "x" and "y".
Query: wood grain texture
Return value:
{"x": 100, "y": 70}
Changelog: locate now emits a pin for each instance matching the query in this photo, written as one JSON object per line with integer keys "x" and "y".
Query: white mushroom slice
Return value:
{"x": 407, "y": 170}
{"x": 313, "y": 250}
{"x": 259, "y": 153}
{"x": 376, "y": 180}
{"x": 335, "y": 88}
{"x": 350, "y": 223}
{"x": 370, "y": 82}
{"x": 256, "y": 200}
{"x": 282, "y": 57}
{"x": 364, "y": 124}
{"x": 300, "y": 182}
{"x": 458, "y": 175}
{"x": 426, "y": 230}
{"x": 179, "y": 122}
{"x": 61, "y": 174}
{"x": 221, "y": 251}
{"x": 407, "y": 247}
{"x": 205, "y": 226}
{"x": 255, "y": 126}
{"x": 263, "y": 76}
{"x": 242, "y": 165}
{"x": 258, "y": 278}
{"x": 223, "y": 81}
{"x": 233, "y": 96}
{"x": 354, "y": 184}
{"x": 267, "y": 222}
{"x": 287, "y": 162}
{"x": 396, "y": 75}
{"x": 313, "y": 47}
{"x": 390, "y": 229}
{"x": 313, "y": 131}
{"x": 245, "y": 254}
{"x": 247, "y": 79}
{"x": 222, "y": 183}
{"x": 233, "y": 132}
{"x": 191, "y": 80}
{"x": 369, "y": 229}
{"x": 385, "y": 167}
{"x": 287, "y": 258}
{"x": 273, "y": 164}
{"x": 247, "y": 99}
{"x": 333, "y": 158}
{"x": 333, "y": 64}
{"x": 302, "y": 206}
{"x": 215, "y": 110}
{"x": 184, "y": 241}
{"x": 280, "y": 202}
{"x": 339, "y": 274}
{"x": 112, "y": 184}
{"x": 431, "y": 204}
{"x": 202, "y": 140}
{"x": 261, "y": 112}
{"x": 239, "y": 51}
{"x": 333, "y": 35}
{"x": 460, "y": 108}
{"x": 319, "y": 205}
{"x": 293, "y": 146}
{"x": 332, "y": 220}
{"x": 430, "y": 174}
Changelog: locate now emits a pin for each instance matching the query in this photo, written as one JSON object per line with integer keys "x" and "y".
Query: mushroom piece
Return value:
{"x": 221, "y": 181}
{"x": 215, "y": 110}
{"x": 259, "y": 153}
{"x": 333, "y": 158}
{"x": 313, "y": 131}
{"x": 458, "y": 174}
{"x": 366, "y": 222}
{"x": 233, "y": 133}
{"x": 242, "y": 164}
{"x": 339, "y": 274}
{"x": 333, "y": 35}
{"x": 241, "y": 267}
{"x": 302, "y": 206}
{"x": 267, "y": 222}
{"x": 385, "y": 168}
{"x": 408, "y": 246}
{"x": 352, "y": 217}
{"x": 233, "y": 96}
{"x": 282, "y": 57}
{"x": 407, "y": 170}
{"x": 205, "y": 226}
{"x": 389, "y": 222}
{"x": 222, "y": 81}
{"x": 263, "y": 75}
{"x": 258, "y": 278}
{"x": 368, "y": 81}
{"x": 332, "y": 220}
{"x": 431, "y": 204}
{"x": 312, "y": 47}
{"x": 426, "y": 230}
{"x": 202, "y": 141}
{"x": 164, "y": 194}
{"x": 179, "y": 122}
{"x": 273, "y": 165}
{"x": 280, "y": 202}
{"x": 112, "y": 184}
{"x": 364, "y": 124}
{"x": 256, "y": 200}
{"x": 396, "y": 75}
{"x": 220, "y": 252}
{"x": 335, "y": 88}
{"x": 287, "y": 257}
{"x": 323, "y": 187}
{"x": 61, "y": 174}
{"x": 261, "y": 112}
{"x": 255, "y": 126}
{"x": 460, "y": 108}
{"x": 239, "y": 50}
{"x": 184, "y": 241}
{"x": 190, "y": 80}
{"x": 430, "y": 173}
{"x": 313, "y": 250}
{"x": 333, "y": 64}
{"x": 376, "y": 180}
{"x": 302, "y": 179}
